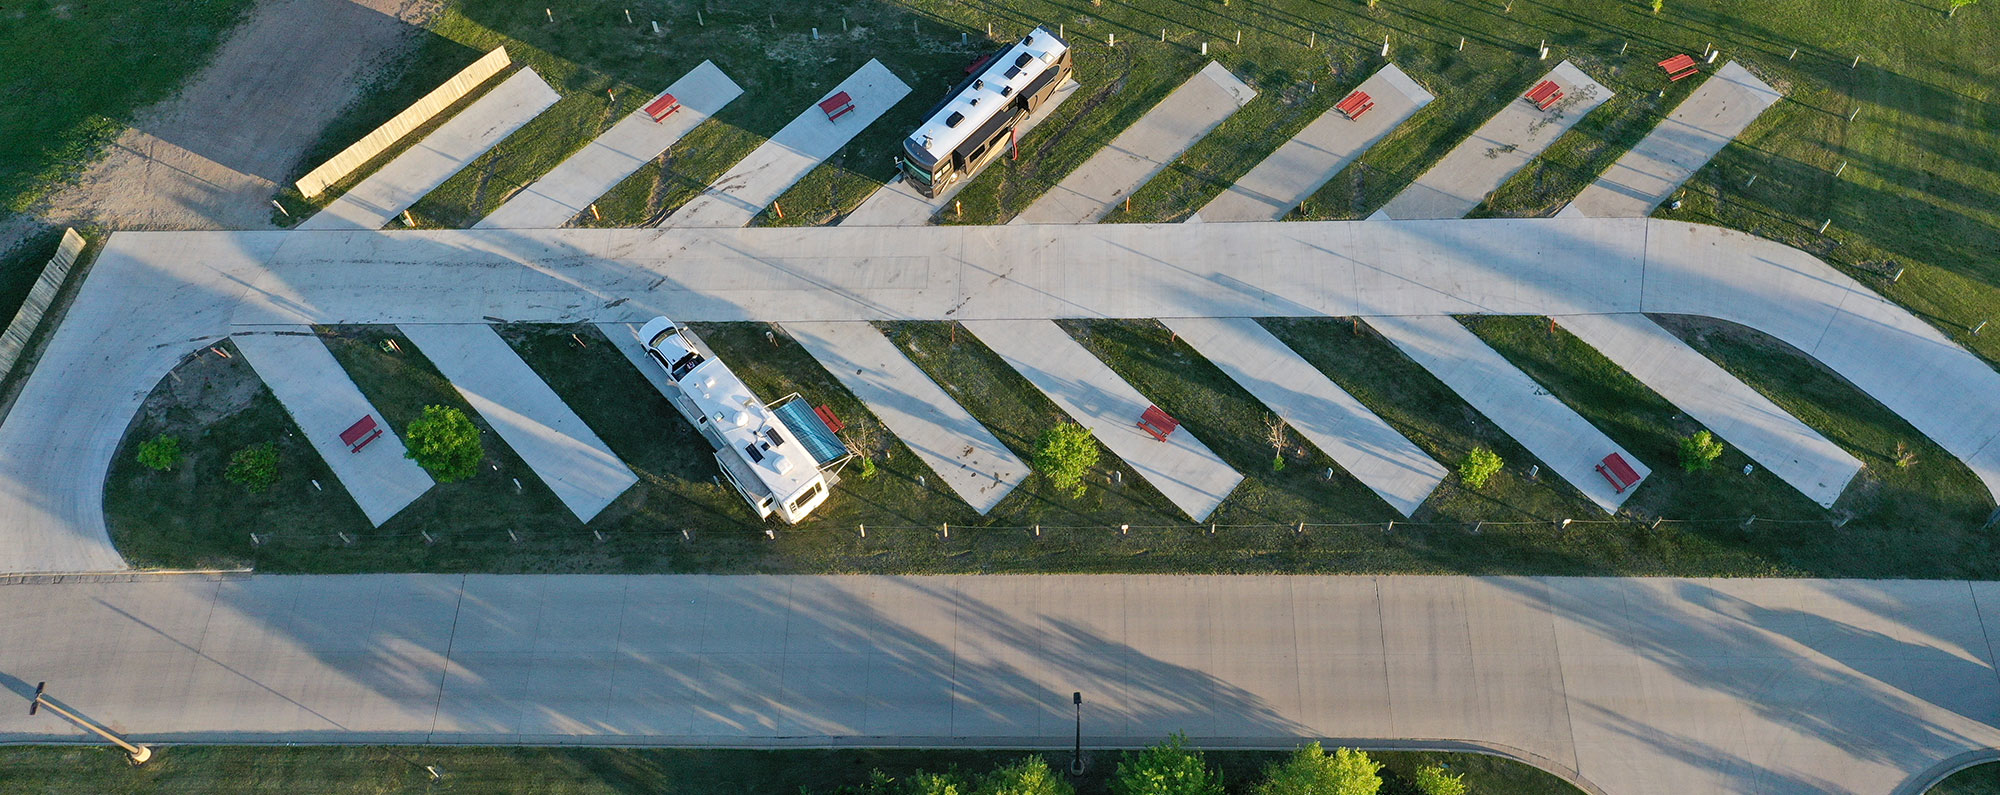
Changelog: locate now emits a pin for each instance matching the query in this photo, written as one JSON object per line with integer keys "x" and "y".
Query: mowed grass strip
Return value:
{"x": 1899, "y": 528}
{"x": 1926, "y": 514}
{"x": 1517, "y": 515}
{"x": 191, "y": 517}
{"x": 595, "y": 771}
{"x": 1900, "y": 519}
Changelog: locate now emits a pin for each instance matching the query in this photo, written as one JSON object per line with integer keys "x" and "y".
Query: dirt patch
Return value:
{"x": 202, "y": 391}
{"x": 212, "y": 157}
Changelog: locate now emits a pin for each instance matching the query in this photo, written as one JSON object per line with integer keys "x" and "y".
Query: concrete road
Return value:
{"x": 1653, "y": 169}
{"x": 564, "y": 452}
{"x": 1392, "y": 466}
{"x": 1181, "y": 467}
{"x": 324, "y": 401}
{"x": 376, "y": 200}
{"x": 762, "y": 176}
{"x": 599, "y": 166}
{"x": 1503, "y": 145}
{"x": 1567, "y": 444}
{"x": 1297, "y": 169}
{"x": 1633, "y": 687}
{"x": 962, "y": 452}
{"x": 1738, "y": 414}
{"x": 153, "y": 296}
{"x": 1142, "y": 150}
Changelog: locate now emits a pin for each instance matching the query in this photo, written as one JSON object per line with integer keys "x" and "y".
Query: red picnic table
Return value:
{"x": 1620, "y": 474}
{"x": 1355, "y": 104}
{"x": 359, "y": 434}
{"x": 662, "y": 106}
{"x": 1157, "y": 423}
{"x": 836, "y": 106}
{"x": 1544, "y": 95}
{"x": 1680, "y": 66}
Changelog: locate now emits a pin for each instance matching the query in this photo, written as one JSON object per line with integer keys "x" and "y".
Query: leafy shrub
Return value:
{"x": 254, "y": 467}
{"x": 1478, "y": 467}
{"x": 1030, "y": 776}
{"x": 1065, "y": 454}
{"x": 936, "y": 784}
{"x": 1432, "y": 780}
{"x": 445, "y": 443}
{"x": 1312, "y": 771}
{"x": 1169, "y": 768}
{"x": 160, "y": 453}
{"x": 1699, "y": 451}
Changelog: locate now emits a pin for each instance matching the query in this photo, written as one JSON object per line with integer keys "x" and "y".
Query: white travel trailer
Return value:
{"x": 779, "y": 457}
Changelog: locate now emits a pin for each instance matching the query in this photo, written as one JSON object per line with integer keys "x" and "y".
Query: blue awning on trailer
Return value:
{"x": 811, "y": 431}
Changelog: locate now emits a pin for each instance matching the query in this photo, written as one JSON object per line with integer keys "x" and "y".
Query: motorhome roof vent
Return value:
{"x": 951, "y": 121}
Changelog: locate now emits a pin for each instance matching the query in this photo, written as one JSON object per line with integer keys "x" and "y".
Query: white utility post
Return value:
{"x": 137, "y": 753}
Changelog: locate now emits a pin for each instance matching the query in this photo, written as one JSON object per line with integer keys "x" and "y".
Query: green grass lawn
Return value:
{"x": 1976, "y": 780}
{"x": 575, "y": 771}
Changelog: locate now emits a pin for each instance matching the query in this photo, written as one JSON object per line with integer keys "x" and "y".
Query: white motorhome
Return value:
{"x": 779, "y": 457}
{"x": 976, "y": 121}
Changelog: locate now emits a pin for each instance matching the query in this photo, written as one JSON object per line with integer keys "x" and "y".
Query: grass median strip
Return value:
{"x": 577, "y": 771}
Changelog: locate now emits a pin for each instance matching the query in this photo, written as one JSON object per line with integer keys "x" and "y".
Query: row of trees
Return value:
{"x": 1172, "y": 768}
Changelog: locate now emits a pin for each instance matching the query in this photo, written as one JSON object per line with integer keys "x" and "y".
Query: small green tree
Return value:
{"x": 160, "y": 453}
{"x": 949, "y": 783}
{"x": 1478, "y": 467}
{"x": 445, "y": 443}
{"x": 1065, "y": 454}
{"x": 1956, "y": 5}
{"x": 254, "y": 467}
{"x": 1030, "y": 776}
{"x": 1312, "y": 771}
{"x": 1432, "y": 780}
{"x": 1659, "y": 5}
{"x": 1170, "y": 768}
{"x": 1699, "y": 451}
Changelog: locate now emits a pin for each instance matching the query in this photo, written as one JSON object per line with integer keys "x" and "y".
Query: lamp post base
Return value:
{"x": 140, "y": 756}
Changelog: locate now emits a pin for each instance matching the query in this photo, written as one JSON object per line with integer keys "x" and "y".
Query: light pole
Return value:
{"x": 137, "y": 753}
{"x": 1076, "y": 762}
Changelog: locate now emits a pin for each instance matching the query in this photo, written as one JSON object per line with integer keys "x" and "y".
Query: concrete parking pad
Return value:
{"x": 1500, "y": 147}
{"x": 314, "y": 389}
{"x": 1567, "y": 443}
{"x": 940, "y": 431}
{"x": 899, "y": 204}
{"x": 1142, "y": 150}
{"x": 526, "y": 413}
{"x": 1735, "y": 412}
{"x": 1642, "y": 686}
{"x": 572, "y": 185}
{"x": 376, "y": 200}
{"x": 1182, "y": 468}
{"x": 1298, "y": 168}
{"x": 1705, "y": 122}
{"x": 1374, "y": 453}
{"x": 760, "y": 178}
